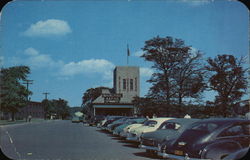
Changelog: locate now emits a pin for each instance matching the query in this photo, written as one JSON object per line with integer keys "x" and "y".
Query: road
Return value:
{"x": 63, "y": 140}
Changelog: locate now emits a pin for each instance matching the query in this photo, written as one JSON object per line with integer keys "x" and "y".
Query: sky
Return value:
{"x": 73, "y": 46}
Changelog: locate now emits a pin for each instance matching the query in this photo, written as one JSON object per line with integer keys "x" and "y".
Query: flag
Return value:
{"x": 128, "y": 51}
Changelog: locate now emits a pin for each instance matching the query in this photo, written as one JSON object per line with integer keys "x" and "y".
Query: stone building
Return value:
{"x": 126, "y": 81}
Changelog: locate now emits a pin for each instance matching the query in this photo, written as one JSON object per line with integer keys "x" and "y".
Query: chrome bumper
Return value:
{"x": 172, "y": 156}
{"x": 148, "y": 147}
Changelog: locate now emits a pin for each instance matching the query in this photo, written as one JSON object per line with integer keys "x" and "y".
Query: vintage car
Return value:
{"x": 75, "y": 120}
{"x": 117, "y": 131}
{"x": 241, "y": 154}
{"x": 109, "y": 120}
{"x": 116, "y": 123}
{"x": 149, "y": 126}
{"x": 212, "y": 139}
{"x": 130, "y": 127}
{"x": 94, "y": 121}
{"x": 168, "y": 130}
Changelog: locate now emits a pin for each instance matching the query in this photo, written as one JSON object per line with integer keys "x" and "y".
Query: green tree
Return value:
{"x": 13, "y": 93}
{"x": 228, "y": 80}
{"x": 178, "y": 70}
{"x": 88, "y": 97}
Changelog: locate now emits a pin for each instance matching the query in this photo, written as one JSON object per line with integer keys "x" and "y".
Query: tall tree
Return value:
{"x": 178, "y": 70}
{"x": 228, "y": 80}
{"x": 89, "y": 96}
{"x": 13, "y": 93}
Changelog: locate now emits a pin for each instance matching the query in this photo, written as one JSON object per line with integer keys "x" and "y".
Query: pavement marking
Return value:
{"x": 11, "y": 141}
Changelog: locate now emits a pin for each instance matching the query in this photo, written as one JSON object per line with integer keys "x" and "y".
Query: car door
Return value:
{"x": 236, "y": 133}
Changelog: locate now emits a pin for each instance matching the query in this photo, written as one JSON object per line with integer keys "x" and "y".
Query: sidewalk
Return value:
{"x": 7, "y": 122}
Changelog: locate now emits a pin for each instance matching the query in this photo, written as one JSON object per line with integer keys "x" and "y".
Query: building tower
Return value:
{"x": 127, "y": 82}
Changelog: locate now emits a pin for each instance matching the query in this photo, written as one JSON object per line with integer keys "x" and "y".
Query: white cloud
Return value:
{"x": 146, "y": 72}
{"x": 31, "y": 52}
{"x": 100, "y": 66}
{"x": 138, "y": 53}
{"x": 35, "y": 59}
{"x": 48, "y": 27}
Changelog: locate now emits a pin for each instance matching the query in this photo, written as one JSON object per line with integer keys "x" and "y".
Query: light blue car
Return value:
{"x": 120, "y": 128}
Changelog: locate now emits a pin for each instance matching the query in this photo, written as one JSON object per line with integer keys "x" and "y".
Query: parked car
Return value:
{"x": 149, "y": 126}
{"x": 119, "y": 129}
{"x": 116, "y": 123}
{"x": 209, "y": 139}
{"x": 96, "y": 120}
{"x": 75, "y": 120}
{"x": 241, "y": 154}
{"x": 109, "y": 120}
{"x": 130, "y": 127}
{"x": 168, "y": 130}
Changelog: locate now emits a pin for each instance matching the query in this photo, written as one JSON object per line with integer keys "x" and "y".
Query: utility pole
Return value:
{"x": 46, "y": 93}
{"x": 28, "y": 82}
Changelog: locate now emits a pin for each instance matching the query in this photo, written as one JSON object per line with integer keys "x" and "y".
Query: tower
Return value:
{"x": 127, "y": 82}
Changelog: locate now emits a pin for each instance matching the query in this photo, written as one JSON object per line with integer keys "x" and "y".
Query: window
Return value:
{"x": 232, "y": 131}
{"x": 131, "y": 84}
{"x": 124, "y": 84}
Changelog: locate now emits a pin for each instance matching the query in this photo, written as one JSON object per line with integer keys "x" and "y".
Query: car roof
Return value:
{"x": 184, "y": 120}
{"x": 223, "y": 120}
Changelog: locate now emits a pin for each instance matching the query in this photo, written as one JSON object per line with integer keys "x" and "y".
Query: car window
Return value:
{"x": 150, "y": 123}
{"x": 233, "y": 131}
{"x": 169, "y": 125}
{"x": 246, "y": 129}
{"x": 206, "y": 127}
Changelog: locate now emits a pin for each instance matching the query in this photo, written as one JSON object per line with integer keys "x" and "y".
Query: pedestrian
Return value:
{"x": 187, "y": 116}
{"x": 154, "y": 115}
{"x": 29, "y": 117}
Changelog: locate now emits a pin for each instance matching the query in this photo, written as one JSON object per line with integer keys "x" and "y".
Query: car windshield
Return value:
{"x": 170, "y": 125}
{"x": 150, "y": 123}
{"x": 206, "y": 127}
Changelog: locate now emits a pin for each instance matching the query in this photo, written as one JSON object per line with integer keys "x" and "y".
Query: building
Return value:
{"x": 119, "y": 101}
{"x": 35, "y": 109}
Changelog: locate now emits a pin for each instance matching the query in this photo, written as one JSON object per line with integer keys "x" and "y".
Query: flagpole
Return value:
{"x": 128, "y": 53}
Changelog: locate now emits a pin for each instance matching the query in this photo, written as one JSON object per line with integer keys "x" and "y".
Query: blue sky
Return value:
{"x": 73, "y": 46}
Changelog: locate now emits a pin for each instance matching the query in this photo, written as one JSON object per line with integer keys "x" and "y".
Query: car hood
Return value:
{"x": 143, "y": 129}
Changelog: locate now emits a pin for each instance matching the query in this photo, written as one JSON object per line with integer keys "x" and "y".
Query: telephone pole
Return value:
{"x": 46, "y": 93}
{"x": 28, "y": 82}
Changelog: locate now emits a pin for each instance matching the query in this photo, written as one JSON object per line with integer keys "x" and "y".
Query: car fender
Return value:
{"x": 219, "y": 149}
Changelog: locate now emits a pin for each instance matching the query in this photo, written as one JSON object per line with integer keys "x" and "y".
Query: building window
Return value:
{"x": 131, "y": 84}
{"x": 124, "y": 84}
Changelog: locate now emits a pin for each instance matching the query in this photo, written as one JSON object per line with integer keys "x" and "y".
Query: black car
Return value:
{"x": 209, "y": 139}
{"x": 96, "y": 119}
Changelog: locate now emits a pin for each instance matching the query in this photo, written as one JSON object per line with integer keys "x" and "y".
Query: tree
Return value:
{"x": 228, "y": 80}
{"x": 59, "y": 107}
{"x": 13, "y": 93}
{"x": 178, "y": 70}
{"x": 89, "y": 96}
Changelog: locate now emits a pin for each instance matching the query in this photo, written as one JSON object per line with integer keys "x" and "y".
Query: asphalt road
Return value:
{"x": 63, "y": 140}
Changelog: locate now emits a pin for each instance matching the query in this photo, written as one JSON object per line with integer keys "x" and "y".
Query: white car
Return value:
{"x": 149, "y": 126}
{"x": 127, "y": 129}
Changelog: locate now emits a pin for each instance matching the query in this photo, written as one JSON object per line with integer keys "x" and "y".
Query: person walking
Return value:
{"x": 29, "y": 117}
